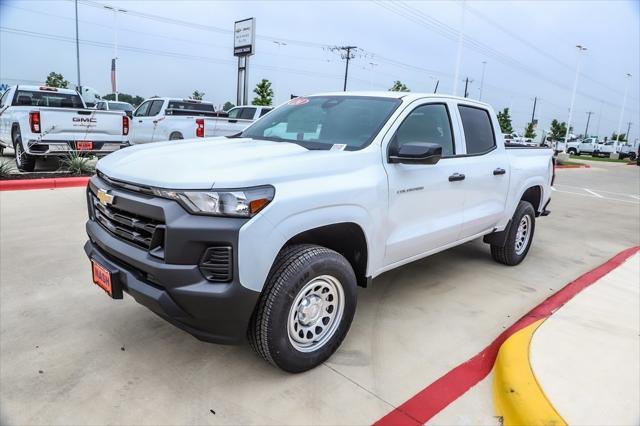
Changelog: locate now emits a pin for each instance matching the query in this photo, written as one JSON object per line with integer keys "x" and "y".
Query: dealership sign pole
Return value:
{"x": 244, "y": 45}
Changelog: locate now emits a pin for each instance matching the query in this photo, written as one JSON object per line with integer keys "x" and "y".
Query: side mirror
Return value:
{"x": 415, "y": 153}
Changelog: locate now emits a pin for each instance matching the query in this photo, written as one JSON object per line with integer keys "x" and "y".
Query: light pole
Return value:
{"x": 459, "y": 54}
{"x": 624, "y": 101}
{"x": 78, "y": 50}
{"x": 573, "y": 95}
{"x": 279, "y": 44}
{"x": 373, "y": 64}
{"x": 114, "y": 73}
{"x": 484, "y": 65}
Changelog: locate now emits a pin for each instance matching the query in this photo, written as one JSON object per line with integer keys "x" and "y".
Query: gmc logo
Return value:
{"x": 84, "y": 120}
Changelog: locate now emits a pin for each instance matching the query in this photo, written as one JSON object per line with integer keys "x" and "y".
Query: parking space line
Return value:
{"x": 634, "y": 196}
{"x": 601, "y": 197}
{"x": 594, "y": 193}
{"x": 421, "y": 407}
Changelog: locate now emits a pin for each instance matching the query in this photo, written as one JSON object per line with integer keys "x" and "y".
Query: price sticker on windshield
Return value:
{"x": 298, "y": 101}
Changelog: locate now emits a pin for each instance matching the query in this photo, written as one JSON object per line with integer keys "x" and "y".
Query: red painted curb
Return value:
{"x": 439, "y": 394}
{"x": 49, "y": 183}
{"x": 573, "y": 166}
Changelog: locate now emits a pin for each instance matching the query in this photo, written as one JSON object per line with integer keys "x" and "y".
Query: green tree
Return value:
{"x": 505, "y": 121}
{"x": 529, "y": 131}
{"x": 399, "y": 86}
{"x": 264, "y": 93}
{"x": 227, "y": 106}
{"x": 558, "y": 130}
{"x": 614, "y": 137}
{"x": 198, "y": 96}
{"x": 124, "y": 97}
{"x": 56, "y": 80}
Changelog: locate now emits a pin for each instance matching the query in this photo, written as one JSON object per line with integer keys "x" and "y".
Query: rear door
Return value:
{"x": 486, "y": 170}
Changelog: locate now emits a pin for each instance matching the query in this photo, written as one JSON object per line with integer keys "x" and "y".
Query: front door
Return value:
{"x": 142, "y": 125}
{"x": 425, "y": 200}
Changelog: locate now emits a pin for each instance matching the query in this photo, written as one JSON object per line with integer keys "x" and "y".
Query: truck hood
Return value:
{"x": 220, "y": 162}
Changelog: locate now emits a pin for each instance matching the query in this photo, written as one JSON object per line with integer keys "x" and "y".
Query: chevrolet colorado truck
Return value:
{"x": 162, "y": 119}
{"x": 51, "y": 122}
{"x": 265, "y": 235}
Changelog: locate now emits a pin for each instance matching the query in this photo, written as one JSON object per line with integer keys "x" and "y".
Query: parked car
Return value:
{"x": 628, "y": 150}
{"x": 581, "y": 146}
{"x": 162, "y": 119}
{"x": 266, "y": 234}
{"x": 116, "y": 106}
{"x": 51, "y": 122}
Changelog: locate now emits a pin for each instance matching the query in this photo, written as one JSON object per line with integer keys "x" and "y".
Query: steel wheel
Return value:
{"x": 315, "y": 313}
{"x": 523, "y": 234}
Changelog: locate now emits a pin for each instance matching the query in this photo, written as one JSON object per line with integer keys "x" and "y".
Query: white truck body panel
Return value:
{"x": 406, "y": 211}
{"x": 157, "y": 124}
{"x": 60, "y": 127}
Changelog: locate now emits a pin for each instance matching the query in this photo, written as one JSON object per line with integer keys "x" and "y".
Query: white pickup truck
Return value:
{"x": 162, "y": 119}
{"x": 266, "y": 234}
{"x": 50, "y": 122}
{"x": 578, "y": 147}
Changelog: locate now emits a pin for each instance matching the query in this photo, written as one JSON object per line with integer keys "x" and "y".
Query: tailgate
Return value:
{"x": 80, "y": 124}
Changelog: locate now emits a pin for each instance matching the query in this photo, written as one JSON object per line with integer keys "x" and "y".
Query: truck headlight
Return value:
{"x": 237, "y": 202}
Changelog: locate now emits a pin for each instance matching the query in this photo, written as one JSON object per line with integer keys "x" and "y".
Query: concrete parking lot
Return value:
{"x": 71, "y": 355}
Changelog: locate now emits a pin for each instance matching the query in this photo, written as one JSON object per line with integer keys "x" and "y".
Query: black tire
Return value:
{"x": 24, "y": 161}
{"x": 294, "y": 269}
{"x": 572, "y": 151}
{"x": 632, "y": 156}
{"x": 510, "y": 254}
{"x": 175, "y": 136}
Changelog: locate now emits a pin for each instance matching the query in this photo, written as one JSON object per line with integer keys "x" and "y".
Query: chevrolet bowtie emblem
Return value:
{"x": 104, "y": 197}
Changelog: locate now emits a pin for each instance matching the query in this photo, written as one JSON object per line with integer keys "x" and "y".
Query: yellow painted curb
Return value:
{"x": 518, "y": 397}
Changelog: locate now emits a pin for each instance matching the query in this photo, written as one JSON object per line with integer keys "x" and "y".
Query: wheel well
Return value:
{"x": 534, "y": 196}
{"x": 176, "y": 133}
{"x": 346, "y": 238}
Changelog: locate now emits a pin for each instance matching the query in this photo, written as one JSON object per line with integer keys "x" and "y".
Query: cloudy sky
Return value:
{"x": 171, "y": 48}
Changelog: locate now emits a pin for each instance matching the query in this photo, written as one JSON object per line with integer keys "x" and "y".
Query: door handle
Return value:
{"x": 456, "y": 176}
{"x": 139, "y": 121}
{"x": 233, "y": 121}
{"x": 499, "y": 171}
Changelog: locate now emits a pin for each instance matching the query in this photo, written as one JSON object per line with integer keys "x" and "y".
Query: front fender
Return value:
{"x": 261, "y": 240}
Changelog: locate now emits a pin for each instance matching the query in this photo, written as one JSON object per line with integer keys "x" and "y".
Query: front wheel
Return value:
{"x": 306, "y": 308}
{"x": 519, "y": 237}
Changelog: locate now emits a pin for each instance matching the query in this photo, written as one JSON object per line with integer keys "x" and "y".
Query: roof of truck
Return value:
{"x": 401, "y": 95}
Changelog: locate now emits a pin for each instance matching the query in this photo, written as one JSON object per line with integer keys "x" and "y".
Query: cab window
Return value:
{"x": 428, "y": 124}
{"x": 235, "y": 113}
{"x": 478, "y": 131}
{"x": 155, "y": 108}
{"x": 142, "y": 109}
{"x": 247, "y": 113}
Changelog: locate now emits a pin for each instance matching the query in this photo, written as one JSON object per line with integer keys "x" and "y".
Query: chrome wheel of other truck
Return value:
{"x": 519, "y": 236}
{"x": 305, "y": 309}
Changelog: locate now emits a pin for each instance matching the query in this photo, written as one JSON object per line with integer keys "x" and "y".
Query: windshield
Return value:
{"x": 120, "y": 107}
{"x": 48, "y": 99}
{"x": 320, "y": 122}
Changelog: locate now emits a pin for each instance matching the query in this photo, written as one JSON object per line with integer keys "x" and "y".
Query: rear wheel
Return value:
{"x": 306, "y": 308}
{"x": 632, "y": 156}
{"x": 175, "y": 136}
{"x": 519, "y": 237}
{"x": 24, "y": 161}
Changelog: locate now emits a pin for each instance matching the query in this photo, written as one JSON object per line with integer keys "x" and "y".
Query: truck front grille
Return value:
{"x": 133, "y": 228}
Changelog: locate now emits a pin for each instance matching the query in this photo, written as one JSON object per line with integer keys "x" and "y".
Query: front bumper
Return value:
{"x": 173, "y": 286}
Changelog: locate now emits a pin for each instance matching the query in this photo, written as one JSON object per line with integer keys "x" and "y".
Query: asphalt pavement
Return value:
{"x": 71, "y": 355}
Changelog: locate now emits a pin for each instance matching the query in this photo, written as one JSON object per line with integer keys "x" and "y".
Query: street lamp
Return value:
{"x": 114, "y": 78}
{"x": 624, "y": 101}
{"x": 573, "y": 95}
{"x": 373, "y": 64}
{"x": 275, "y": 96}
{"x": 484, "y": 65}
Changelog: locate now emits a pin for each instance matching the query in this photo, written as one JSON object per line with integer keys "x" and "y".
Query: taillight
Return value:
{"x": 34, "y": 121}
{"x": 200, "y": 127}
{"x": 125, "y": 125}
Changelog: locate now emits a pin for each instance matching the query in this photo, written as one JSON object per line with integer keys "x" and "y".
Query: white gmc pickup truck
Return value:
{"x": 267, "y": 234}
{"x": 50, "y": 122}
{"x": 163, "y": 119}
